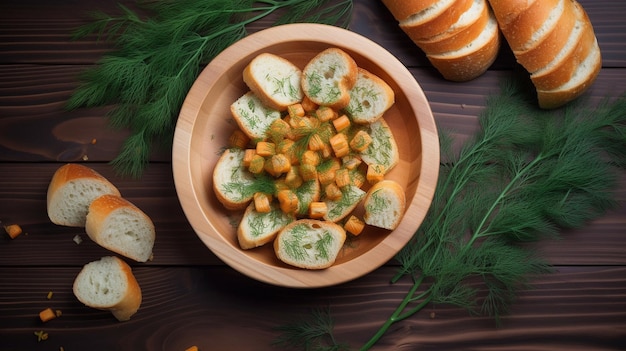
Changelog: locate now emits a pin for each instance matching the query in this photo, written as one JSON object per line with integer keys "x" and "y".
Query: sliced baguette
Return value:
{"x": 309, "y": 244}
{"x": 384, "y": 205}
{"x": 252, "y": 116}
{"x": 72, "y": 189}
{"x": 473, "y": 59}
{"x": 108, "y": 284}
{"x": 232, "y": 181}
{"x": 530, "y": 23}
{"x": 383, "y": 150}
{"x": 275, "y": 80}
{"x": 402, "y": 9}
{"x": 351, "y": 196}
{"x": 258, "y": 228}
{"x": 328, "y": 77}
{"x": 119, "y": 226}
{"x": 434, "y": 20}
{"x": 370, "y": 98}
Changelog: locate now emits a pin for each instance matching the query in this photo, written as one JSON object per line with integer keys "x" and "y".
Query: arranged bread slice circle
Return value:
{"x": 328, "y": 77}
{"x": 119, "y": 226}
{"x": 370, "y": 98}
{"x": 252, "y": 116}
{"x": 275, "y": 80}
{"x": 473, "y": 59}
{"x": 384, "y": 205}
{"x": 259, "y": 228}
{"x": 108, "y": 284}
{"x": 309, "y": 243}
{"x": 72, "y": 189}
{"x": 232, "y": 181}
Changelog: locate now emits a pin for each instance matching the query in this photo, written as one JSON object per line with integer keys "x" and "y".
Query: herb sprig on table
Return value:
{"x": 527, "y": 174}
{"x": 156, "y": 60}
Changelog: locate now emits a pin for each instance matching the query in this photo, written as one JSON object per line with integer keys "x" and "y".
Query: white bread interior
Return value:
{"x": 275, "y": 80}
{"x": 309, "y": 243}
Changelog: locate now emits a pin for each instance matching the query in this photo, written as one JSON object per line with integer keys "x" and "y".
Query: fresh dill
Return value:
{"x": 315, "y": 333}
{"x": 525, "y": 175}
{"x": 156, "y": 59}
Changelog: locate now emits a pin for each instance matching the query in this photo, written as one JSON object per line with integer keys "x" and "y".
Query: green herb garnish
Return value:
{"x": 157, "y": 59}
{"x": 526, "y": 174}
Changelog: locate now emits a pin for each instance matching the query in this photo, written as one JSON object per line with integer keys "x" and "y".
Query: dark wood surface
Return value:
{"x": 189, "y": 296}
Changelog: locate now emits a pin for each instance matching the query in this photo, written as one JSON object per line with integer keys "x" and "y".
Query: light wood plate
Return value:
{"x": 205, "y": 123}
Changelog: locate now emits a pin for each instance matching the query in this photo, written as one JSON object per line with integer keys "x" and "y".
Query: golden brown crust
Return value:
{"x": 73, "y": 171}
{"x": 402, "y": 9}
{"x": 506, "y": 11}
{"x": 519, "y": 32}
{"x": 455, "y": 40}
{"x": 129, "y": 305}
{"x": 438, "y": 24}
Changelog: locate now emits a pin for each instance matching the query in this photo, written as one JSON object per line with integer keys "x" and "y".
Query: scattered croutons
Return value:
{"x": 47, "y": 315}
{"x": 14, "y": 230}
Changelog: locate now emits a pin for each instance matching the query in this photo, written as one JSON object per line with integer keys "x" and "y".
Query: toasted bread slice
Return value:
{"x": 109, "y": 284}
{"x": 309, "y": 244}
{"x": 370, "y": 98}
{"x": 259, "y": 228}
{"x": 275, "y": 80}
{"x": 118, "y": 225}
{"x": 383, "y": 150}
{"x": 328, "y": 77}
{"x": 232, "y": 181}
{"x": 72, "y": 189}
{"x": 252, "y": 116}
{"x": 384, "y": 205}
{"x": 308, "y": 192}
{"x": 351, "y": 196}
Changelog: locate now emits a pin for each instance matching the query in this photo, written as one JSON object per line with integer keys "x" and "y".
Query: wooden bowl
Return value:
{"x": 205, "y": 123}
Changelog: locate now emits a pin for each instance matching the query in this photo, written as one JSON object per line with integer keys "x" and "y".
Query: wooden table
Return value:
{"x": 189, "y": 296}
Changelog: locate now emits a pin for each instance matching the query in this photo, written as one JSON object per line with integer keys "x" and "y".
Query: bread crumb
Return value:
{"x": 93, "y": 141}
{"x": 77, "y": 239}
{"x": 85, "y": 158}
{"x": 47, "y": 314}
{"x": 13, "y": 230}
{"x": 192, "y": 348}
{"x": 49, "y": 296}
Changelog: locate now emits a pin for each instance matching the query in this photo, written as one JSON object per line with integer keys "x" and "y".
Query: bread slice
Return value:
{"x": 351, "y": 196}
{"x": 275, "y": 80}
{"x": 370, "y": 98}
{"x": 309, "y": 244}
{"x": 434, "y": 20}
{"x": 466, "y": 29}
{"x": 402, "y": 9}
{"x": 257, "y": 228}
{"x": 328, "y": 77}
{"x": 530, "y": 23}
{"x": 308, "y": 192}
{"x": 383, "y": 150}
{"x": 384, "y": 205}
{"x": 252, "y": 116}
{"x": 232, "y": 181}
{"x": 117, "y": 225}
{"x": 109, "y": 284}
{"x": 473, "y": 59}
{"x": 72, "y": 189}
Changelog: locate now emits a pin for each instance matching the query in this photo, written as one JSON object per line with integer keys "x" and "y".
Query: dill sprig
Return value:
{"x": 156, "y": 60}
{"x": 315, "y": 333}
{"x": 526, "y": 174}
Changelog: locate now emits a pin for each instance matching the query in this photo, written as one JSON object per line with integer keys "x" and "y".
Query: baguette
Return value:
{"x": 108, "y": 284}
{"x": 309, "y": 243}
{"x": 555, "y": 42}
{"x": 370, "y": 98}
{"x": 117, "y": 225}
{"x": 231, "y": 180}
{"x": 257, "y": 229}
{"x": 328, "y": 77}
{"x": 384, "y": 205}
{"x": 252, "y": 116}
{"x": 275, "y": 80}
{"x": 72, "y": 189}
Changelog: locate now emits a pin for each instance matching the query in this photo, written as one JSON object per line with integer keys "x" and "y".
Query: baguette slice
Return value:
{"x": 309, "y": 243}
{"x": 434, "y": 20}
{"x": 383, "y": 150}
{"x": 402, "y": 9}
{"x": 339, "y": 209}
{"x": 72, "y": 189}
{"x": 108, "y": 284}
{"x": 275, "y": 80}
{"x": 530, "y": 23}
{"x": 252, "y": 116}
{"x": 328, "y": 77}
{"x": 370, "y": 98}
{"x": 232, "y": 181}
{"x": 117, "y": 225}
{"x": 257, "y": 229}
{"x": 384, "y": 205}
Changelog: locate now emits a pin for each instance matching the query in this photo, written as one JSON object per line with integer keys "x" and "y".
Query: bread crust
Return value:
{"x": 224, "y": 199}
{"x": 100, "y": 210}
{"x": 457, "y": 39}
{"x": 402, "y": 9}
{"x": 131, "y": 299}
{"x": 438, "y": 24}
{"x": 395, "y": 217}
{"x": 506, "y": 11}
{"x": 63, "y": 176}
{"x": 519, "y": 32}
